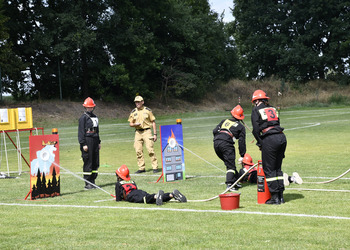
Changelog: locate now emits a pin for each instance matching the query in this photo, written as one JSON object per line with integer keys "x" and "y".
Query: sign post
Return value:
{"x": 173, "y": 161}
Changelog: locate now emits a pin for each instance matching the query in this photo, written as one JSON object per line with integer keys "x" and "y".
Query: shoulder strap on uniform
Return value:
{"x": 126, "y": 182}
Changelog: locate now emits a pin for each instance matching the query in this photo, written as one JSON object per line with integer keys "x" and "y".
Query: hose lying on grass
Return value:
{"x": 234, "y": 184}
{"x": 324, "y": 182}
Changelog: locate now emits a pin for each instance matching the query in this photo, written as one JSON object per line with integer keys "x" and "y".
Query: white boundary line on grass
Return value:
{"x": 183, "y": 210}
{"x": 324, "y": 190}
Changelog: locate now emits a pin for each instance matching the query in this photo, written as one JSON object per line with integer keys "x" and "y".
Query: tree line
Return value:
{"x": 112, "y": 50}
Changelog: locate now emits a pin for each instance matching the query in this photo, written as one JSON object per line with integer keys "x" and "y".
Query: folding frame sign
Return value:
{"x": 7, "y": 119}
{"x": 173, "y": 160}
{"x": 44, "y": 166}
{"x": 24, "y": 118}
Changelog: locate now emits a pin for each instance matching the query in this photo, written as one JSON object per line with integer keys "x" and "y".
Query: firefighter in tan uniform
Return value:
{"x": 143, "y": 120}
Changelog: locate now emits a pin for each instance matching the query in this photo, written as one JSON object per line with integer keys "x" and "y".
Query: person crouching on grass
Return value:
{"x": 252, "y": 175}
{"x": 126, "y": 189}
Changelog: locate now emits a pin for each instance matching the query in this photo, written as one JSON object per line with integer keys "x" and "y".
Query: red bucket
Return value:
{"x": 229, "y": 201}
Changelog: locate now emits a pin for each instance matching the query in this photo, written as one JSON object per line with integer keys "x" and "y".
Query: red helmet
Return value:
{"x": 89, "y": 103}
{"x": 123, "y": 172}
{"x": 247, "y": 159}
{"x": 259, "y": 94}
{"x": 237, "y": 112}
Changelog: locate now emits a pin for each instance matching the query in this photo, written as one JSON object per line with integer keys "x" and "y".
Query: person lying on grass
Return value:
{"x": 126, "y": 189}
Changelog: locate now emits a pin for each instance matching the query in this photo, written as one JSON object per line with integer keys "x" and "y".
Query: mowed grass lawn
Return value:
{"x": 315, "y": 216}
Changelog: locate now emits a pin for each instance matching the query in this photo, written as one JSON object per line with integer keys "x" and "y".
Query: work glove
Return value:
{"x": 240, "y": 160}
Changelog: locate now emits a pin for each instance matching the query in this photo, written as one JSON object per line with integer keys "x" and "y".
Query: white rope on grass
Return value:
{"x": 19, "y": 153}
{"x": 82, "y": 179}
{"x": 7, "y": 160}
{"x": 202, "y": 159}
{"x": 234, "y": 184}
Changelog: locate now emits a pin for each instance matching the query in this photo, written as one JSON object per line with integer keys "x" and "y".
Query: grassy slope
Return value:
{"x": 320, "y": 150}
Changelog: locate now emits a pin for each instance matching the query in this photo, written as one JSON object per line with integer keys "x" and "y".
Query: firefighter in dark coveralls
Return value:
{"x": 271, "y": 141}
{"x": 252, "y": 176}
{"x": 225, "y": 134}
{"x": 126, "y": 189}
{"x": 90, "y": 143}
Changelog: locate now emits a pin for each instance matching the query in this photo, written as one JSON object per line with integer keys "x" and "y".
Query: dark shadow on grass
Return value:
{"x": 290, "y": 197}
{"x": 107, "y": 184}
{"x": 83, "y": 190}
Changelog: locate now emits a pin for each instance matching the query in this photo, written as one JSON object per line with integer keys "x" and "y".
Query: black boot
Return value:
{"x": 274, "y": 200}
{"x": 280, "y": 197}
{"x": 87, "y": 182}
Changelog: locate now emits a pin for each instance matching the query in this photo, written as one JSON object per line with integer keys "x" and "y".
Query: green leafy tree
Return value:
{"x": 292, "y": 39}
{"x": 59, "y": 36}
{"x": 10, "y": 65}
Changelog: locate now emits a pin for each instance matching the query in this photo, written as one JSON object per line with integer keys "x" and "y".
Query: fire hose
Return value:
{"x": 234, "y": 184}
{"x": 324, "y": 182}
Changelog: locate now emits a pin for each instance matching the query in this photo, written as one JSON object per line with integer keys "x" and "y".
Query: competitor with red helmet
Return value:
{"x": 251, "y": 177}
{"x": 126, "y": 189}
{"x": 271, "y": 141}
{"x": 247, "y": 162}
{"x": 90, "y": 143}
{"x": 225, "y": 135}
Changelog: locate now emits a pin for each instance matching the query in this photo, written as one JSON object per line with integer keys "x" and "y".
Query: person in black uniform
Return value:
{"x": 126, "y": 189}
{"x": 271, "y": 141}
{"x": 252, "y": 176}
{"x": 225, "y": 134}
{"x": 90, "y": 143}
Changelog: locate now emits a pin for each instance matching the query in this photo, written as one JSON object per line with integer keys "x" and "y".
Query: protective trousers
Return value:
{"x": 273, "y": 148}
{"x": 140, "y": 196}
{"x": 145, "y": 137}
{"x": 91, "y": 159}
{"x": 226, "y": 152}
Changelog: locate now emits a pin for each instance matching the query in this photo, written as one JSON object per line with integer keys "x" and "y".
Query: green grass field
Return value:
{"x": 315, "y": 216}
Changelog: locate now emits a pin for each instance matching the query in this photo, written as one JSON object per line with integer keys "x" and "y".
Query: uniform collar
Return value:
{"x": 139, "y": 109}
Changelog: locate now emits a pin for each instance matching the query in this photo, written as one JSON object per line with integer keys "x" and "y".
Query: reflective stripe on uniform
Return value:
{"x": 144, "y": 199}
{"x": 87, "y": 173}
{"x": 274, "y": 178}
{"x": 94, "y": 171}
{"x": 231, "y": 171}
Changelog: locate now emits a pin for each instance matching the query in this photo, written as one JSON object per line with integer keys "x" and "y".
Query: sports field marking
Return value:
{"x": 181, "y": 210}
{"x": 308, "y": 126}
{"x": 322, "y": 190}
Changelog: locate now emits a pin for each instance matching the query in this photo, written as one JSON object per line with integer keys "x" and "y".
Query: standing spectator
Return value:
{"x": 90, "y": 143}
{"x": 271, "y": 141}
{"x": 142, "y": 119}
{"x": 225, "y": 134}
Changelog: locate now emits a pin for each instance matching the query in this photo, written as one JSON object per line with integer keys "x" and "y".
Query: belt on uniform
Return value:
{"x": 267, "y": 129}
{"x": 226, "y": 132}
{"x": 142, "y": 129}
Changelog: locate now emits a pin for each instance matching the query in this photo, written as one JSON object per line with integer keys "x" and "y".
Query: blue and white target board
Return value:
{"x": 173, "y": 161}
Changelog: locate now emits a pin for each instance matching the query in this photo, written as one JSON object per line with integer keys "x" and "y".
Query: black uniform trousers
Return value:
{"x": 91, "y": 158}
{"x": 140, "y": 196}
{"x": 273, "y": 148}
{"x": 226, "y": 152}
